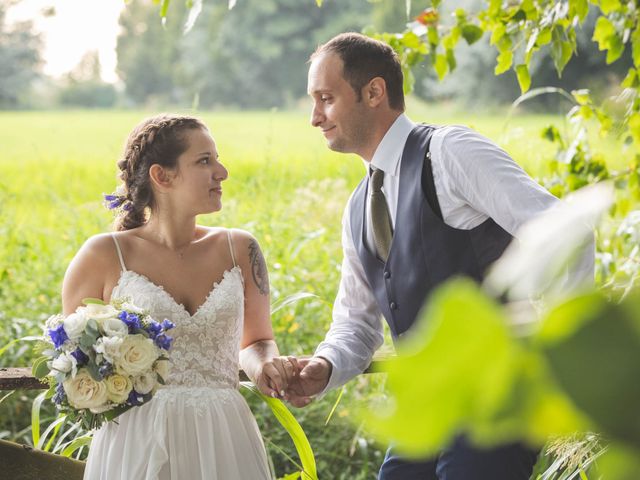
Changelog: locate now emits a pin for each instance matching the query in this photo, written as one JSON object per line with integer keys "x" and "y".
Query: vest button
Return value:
{"x": 393, "y": 306}
{"x": 387, "y": 274}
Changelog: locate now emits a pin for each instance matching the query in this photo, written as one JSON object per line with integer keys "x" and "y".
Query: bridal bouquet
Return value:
{"x": 103, "y": 359}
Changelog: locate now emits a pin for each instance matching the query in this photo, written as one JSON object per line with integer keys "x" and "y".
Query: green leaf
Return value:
{"x": 455, "y": 394}
{"x": 451, "y": 59}
{"x": 579, "y": 8}
{"x": 634, "y": 127}
{"x": 432, "y": 35}
{"x": 561, "y": 52}
{"x": 602, "y": 33}
{"x": 440, "y": 64}
{"x": 164, "y": 8}
{"x": 498, "y": 32}
{"x": 608, "y": 6}
{"x": 582, "y": 96}
{"x": 631, "y": 80}
{"x": 635, "y": 46}
{"x": 40, "y": 368}
{"x": 90, "y": 300}
{"x": 293, "y": 428}
{"x": 524, "y": 79}
{"x": 594, "y": 353}
{"x": 116, "y": 412}
{"x": 472, "y": 33}
{"x": 551, "y": 133}
{"x": 544, "y": 37}
{"x": 616, "y": 48}
{"x": 504, "y": 61}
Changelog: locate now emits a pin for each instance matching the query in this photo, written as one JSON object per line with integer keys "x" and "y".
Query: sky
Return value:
{"x": 77, "y": 27}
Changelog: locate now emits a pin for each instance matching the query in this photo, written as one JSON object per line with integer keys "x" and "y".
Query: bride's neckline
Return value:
{"x": 169, "y": 296}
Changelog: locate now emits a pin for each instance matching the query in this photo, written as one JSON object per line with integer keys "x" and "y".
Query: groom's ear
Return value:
{"x": 160, "y": 177}
{"x": 375, "y": 92}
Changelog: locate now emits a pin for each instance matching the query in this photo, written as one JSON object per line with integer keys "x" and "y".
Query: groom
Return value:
{"x": 435, "y": 202}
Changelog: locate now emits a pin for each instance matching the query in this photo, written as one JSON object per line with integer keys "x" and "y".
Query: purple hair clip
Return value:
{"x": 112, "y": 201}
{"x": 116, "y": 200}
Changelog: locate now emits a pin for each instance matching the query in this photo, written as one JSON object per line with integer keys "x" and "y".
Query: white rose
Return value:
{"x": 137, "y": 354}
{"x": 65, "y": 363}
{"x": 74, "y": 325}
{"x": 145, "y": 383}
{"x": 129, "y": 307}
{"x": 98, "y": 312}
{"x": 84, "y": 392}
{"x": 114, "y": 327}
{"x": 109, "y": 348}
{"x": 118, "y": 388}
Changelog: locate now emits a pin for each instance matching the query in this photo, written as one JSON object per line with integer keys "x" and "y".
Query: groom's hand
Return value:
{"x": 312, "y": 379}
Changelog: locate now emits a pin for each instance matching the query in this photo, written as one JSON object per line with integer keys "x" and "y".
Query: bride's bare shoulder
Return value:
{"x": 96, "y": 252}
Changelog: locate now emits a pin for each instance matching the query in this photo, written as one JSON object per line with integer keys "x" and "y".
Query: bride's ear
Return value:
{"x": 160, "y": 177}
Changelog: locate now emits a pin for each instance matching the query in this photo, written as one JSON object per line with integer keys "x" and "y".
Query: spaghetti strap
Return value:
{"x": 115, "y": 240}
{"x": 233, "y": 257}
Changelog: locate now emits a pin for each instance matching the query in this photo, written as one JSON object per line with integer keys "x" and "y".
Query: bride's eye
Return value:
{"x": 204, "y": 160}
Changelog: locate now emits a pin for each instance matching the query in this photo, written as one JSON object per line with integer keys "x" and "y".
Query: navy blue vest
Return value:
{"x": 425, "y": 251}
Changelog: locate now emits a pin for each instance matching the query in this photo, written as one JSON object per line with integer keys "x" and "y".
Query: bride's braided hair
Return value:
{"x": 157, "y": 140}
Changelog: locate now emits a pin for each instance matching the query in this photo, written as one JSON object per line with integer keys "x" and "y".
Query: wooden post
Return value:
{"x": 22, "y": 462}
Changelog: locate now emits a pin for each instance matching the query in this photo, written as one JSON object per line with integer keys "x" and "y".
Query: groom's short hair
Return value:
{"x": 364, "y": 58}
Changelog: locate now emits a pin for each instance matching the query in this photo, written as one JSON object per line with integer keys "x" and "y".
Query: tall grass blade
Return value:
{"x": 293, "y": 428}
{"x": 61, "y": 441}
{"x": 35, "y": 418}
{"x": 335, "y": 406}
{"x": 296, "y": 297}
{"x": 53, "y": 427}
{"x": 7, "y": 395}
{"x": 18, "y": 340}
{"x": 76, "y": 444}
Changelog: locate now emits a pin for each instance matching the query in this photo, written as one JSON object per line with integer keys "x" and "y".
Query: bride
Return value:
{"x": 212, "y": 283}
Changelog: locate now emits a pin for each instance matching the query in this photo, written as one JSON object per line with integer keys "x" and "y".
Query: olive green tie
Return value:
{"x": 380, "y": 219}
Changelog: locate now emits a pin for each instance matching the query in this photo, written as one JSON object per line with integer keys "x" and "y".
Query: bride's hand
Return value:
{"x": 275, "y": 375}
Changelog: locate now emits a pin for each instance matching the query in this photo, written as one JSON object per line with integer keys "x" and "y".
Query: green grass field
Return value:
{"x": 284, "y": 186}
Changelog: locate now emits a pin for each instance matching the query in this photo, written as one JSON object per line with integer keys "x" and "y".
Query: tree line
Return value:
{"x": 253, "y": 57}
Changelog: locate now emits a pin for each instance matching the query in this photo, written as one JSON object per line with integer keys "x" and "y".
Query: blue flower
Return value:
{"x": 164, "y": 341}
{"x": 60, "y": 394}
{"x": 131, "y": 319}
{"x": 80, "y": 357}
{"x": 154, "y": 328}
{"x": 105, "y": 369}
{"x": 167, "y": 324}
{"x": 134, "y": 398}
{"x": 58, "y": 336}
{"x": 113, "y": 201}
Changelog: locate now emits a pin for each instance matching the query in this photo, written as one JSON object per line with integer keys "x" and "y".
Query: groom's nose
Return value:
{"x": 316, "y": 117}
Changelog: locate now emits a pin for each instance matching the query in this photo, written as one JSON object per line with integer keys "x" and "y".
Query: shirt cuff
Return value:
{"x": 337, "y": 377}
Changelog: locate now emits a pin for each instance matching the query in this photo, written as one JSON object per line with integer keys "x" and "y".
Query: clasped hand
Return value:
{"x": 295, "y": 380}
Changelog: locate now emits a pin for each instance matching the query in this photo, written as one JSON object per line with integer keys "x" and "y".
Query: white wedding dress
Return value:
{"x": 197, "y": 426}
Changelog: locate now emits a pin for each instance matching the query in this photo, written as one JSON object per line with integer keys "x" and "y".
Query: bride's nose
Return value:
{"x": 220, "y": 173}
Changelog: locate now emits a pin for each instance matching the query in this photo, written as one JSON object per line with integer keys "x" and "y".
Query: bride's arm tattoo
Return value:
{"x": 258, "y": 268}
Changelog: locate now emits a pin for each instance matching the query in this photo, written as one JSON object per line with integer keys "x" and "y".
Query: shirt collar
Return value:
{"x": 389, "y": 152}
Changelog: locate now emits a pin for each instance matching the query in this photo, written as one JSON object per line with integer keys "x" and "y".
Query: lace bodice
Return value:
{"x": 205, "y": 351}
